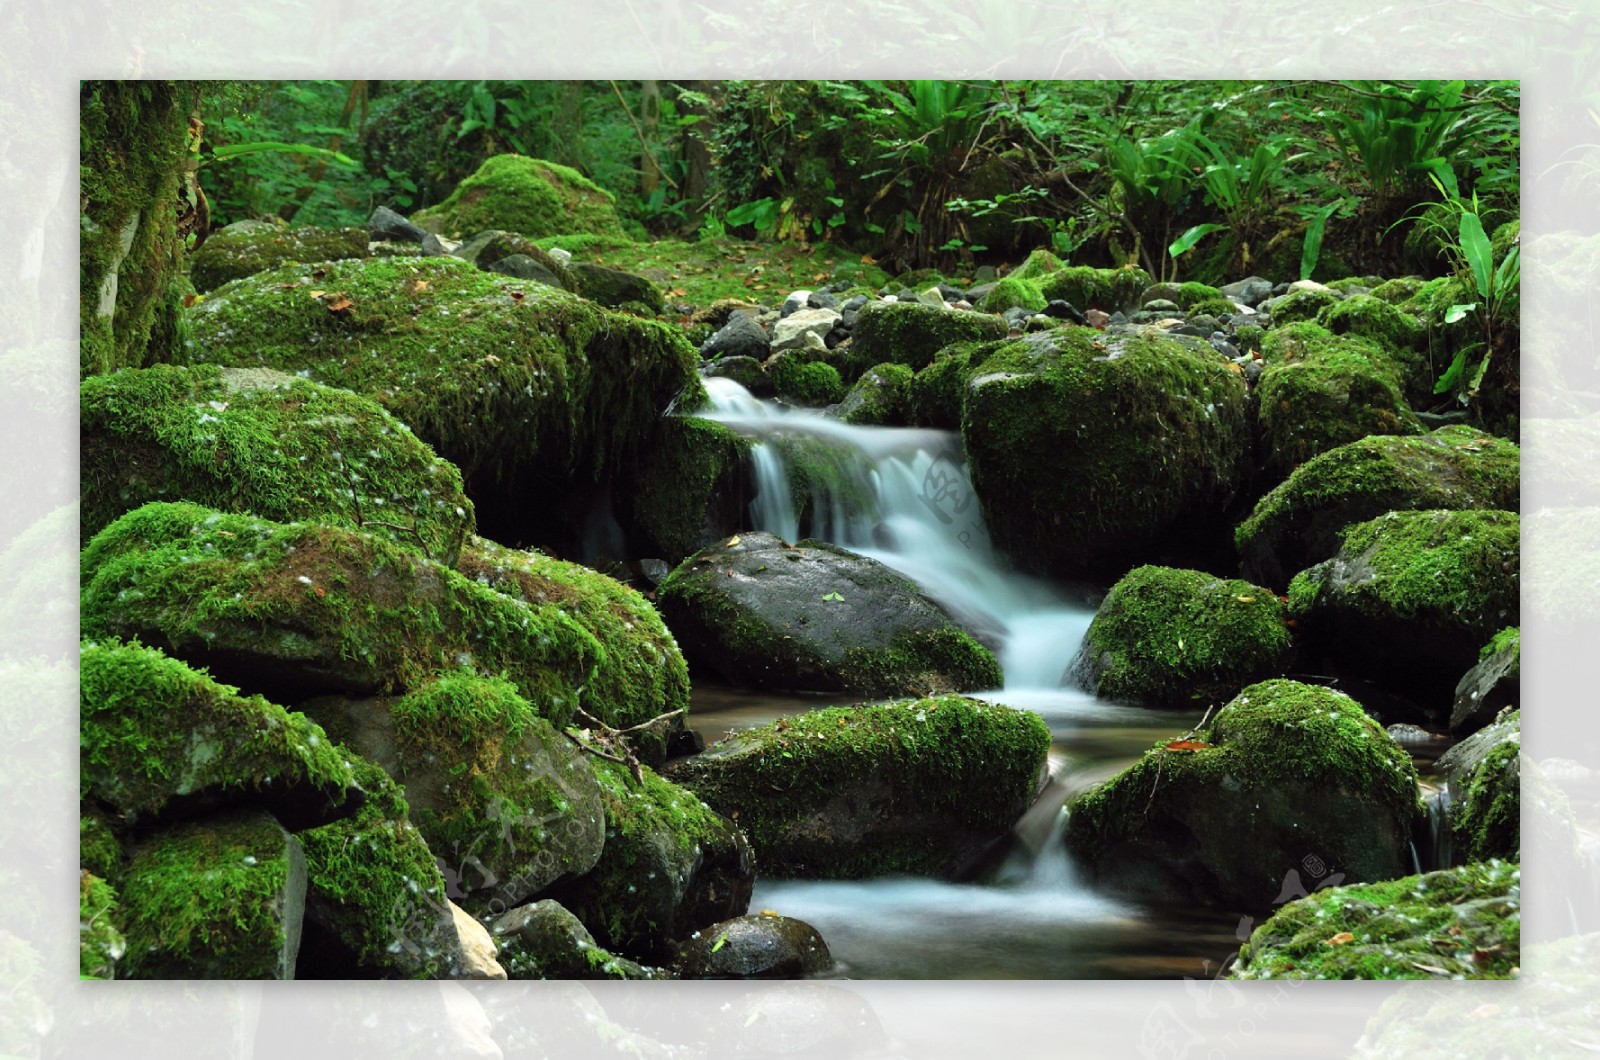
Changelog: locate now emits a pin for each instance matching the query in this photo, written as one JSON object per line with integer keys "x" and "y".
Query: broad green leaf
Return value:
{"x": 1312, "y": 249}
{"x": 235, "y": 150}
{"x": 1457, "y": 311}
{"x": 1186, "y": 242}
{"x": 1478, "y": 251}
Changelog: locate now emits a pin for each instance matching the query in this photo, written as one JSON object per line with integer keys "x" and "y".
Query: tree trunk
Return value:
{"x": 650, "y": 136}
{"x": 696, "y": 154}
{"x": 566, "y": 133}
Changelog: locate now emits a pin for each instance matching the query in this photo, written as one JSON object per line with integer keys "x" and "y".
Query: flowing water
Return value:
{"x": 902, "y": 496}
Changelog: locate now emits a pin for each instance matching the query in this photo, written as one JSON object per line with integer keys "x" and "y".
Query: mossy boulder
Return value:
{"x": 938, "y": 391}
{"x": 487, "y": 249}
{"x": 1299, "y": 521}
{"x": 1463, "y": 923}
{"x": 919, "y": 786}
{"x": 758, "y": 946}
{"x": 528, "y": 196}
{"x": 506, "y": 803}
{"x": 1090, "y": 288}
{"x": 376, "y": 904}
{"x": 218, "y": 898}
{"x": 1398, "y": 333}
{"x": 816, "y": 617}
{"x": 1085, "y": 450}
{"x": 1492, "y": 685}
{"x": 508, "y": 379}
{"x": 879, "y": 398}
{"x": 640, "y": 673}
{"x": 237, "y": 251}
{"x": 1011, "y": 293}
{"x": 1411, "y": 597}
{"x": 157, "y": 737}
{"x": 1483, "y": 777}
{"x": 301, "y": 609}
{"x": 805, "y": 382}
{"x": 910, "y": 333}
{"x": 99, "y": 850}
{"x": 1303, "y": 301}
{"x": 1039, "y": 264}
{"x": 1220, "y": 817}
{"x": 542, "y": 940}
{"x": 1320, "y": 391}
{"x": 267, "y": 443}
{"x": 688, "y": 489}
{"x": 1182, "y": 638}
{"x": 101, "y": 943}
{"x": 670, "y": 866}
{"x": 613, "y": 288}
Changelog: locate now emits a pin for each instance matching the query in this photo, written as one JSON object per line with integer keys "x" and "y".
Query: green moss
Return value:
{"x": 640, "y": 674}
{"x": 1299, "y": 304}
{"x": 1083, "y": 448}
{"x": 1170, "y": 637}
{"x": 1040, "y": 263}
{"x": 1402, "y": 339}
{"x": 529, "y": 196}
{"x": 1486, "y": 821}
{"x": 374, "y": 884}
{"x": 1191, "y": 296}
{"x": 938, "y": 391}
{"x": 231, "y": 255}
{"x": 1090, "y": 288}
{"x": 1009, "y": 293}
{"x": 880, "y": 397}
{"x": 132, "y": 137}
{"x": 1398, "y": 290}
{"x": 806, "y": 382}
{"x": 356, "y": 612}
{"x": 1464, "y": 923}
{"x": 970, "y": 766}
{"x": 1337, "y": 394}
{"x": 266, "y": 443}
{"x": 686, "y": 490}
{"x": 921, "y": 279}
{"x": 152, "y": 730}
{"x": 1274, "y": 734}
{"x": 99, "y": 851}
{"x": 910, "y": 333}
{"x": 1215, "y": 307}
{"x": 1508, "y": 639}
{"x": 100, "y": 943}
{"x": 495, "y": 373}
{"x": 213, "y": 899}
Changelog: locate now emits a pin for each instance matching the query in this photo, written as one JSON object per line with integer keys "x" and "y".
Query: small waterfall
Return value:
{"x": 1441, "y": 842}
{"x": 902, "y": 496}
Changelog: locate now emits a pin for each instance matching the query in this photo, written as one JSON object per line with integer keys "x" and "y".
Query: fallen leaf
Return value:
{"x": 340, "y": 305}
{"x": 1187, "y": 745}
{"x": 868, "y": 259}
{"x": 517, "y": 296}
{"x": 769, "y": 912}
{"x": 734, "y": 540}
{"x": 833, "y": 597}
{"x": 319, "y": 274}
{"x": 190, "y": 299}
{"x": 286, "y": 286}
{"x": 1341, "y": 938}
{"x": 1431, "y": 969}
{"x": 1245, "y": 599}
{"x": 490, "y": 359}
{"x": 314, "y": 294}
{"x": 722, "y": 940}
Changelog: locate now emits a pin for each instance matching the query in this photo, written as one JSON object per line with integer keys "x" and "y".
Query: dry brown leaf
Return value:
{"x": 1187, "y": 745}
{"x": 340, "y": 305}
{"x": 1341, "y": 938}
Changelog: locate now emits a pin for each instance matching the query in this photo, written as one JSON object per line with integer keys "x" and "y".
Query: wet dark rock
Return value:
{"x": 543, "y": 940}
{"x": 1490, "y": 686}
{"x": 387, "y": 224}
{"x": 741, "y": 336}
{"x": 524, "y": 267}
{"x": 1250, "y": 291}
{"x": 746, "y": 371}
{"x": 613, "y": 288}
{"x": 759, "y": 946}
{"x": 1061, "y": 310}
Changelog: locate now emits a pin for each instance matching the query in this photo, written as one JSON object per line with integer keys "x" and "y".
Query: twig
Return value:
{"x": 639, "y": 132}
{"x": 355, "y": 500}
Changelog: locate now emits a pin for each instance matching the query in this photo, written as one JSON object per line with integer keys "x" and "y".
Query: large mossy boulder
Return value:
{"x": 1166, "y": 637}
{"x": 1483, "y": 778}
{"x": 910, "y": 333}
{"x": 688, "y": 490}
{"x": 248, "y": 248}
{"x": 506, "y": 803}
{"x": 510, "y": 379}
{"x": 1491, "y": 686}
{"x": 1462, "y": 923}
{"x": 1411, "y": 597}
{"x": 640, "y": 674}
{"x": 879, "y": 398}
{"x": 1395, "y": 331}
{"x": 613, "y": 288}
{"x": 1085, "y": 450}
{"x": 376, "y": 904}
{"x": 267, "y": 443}
{"x": 1320, "y": 391}
{"x": 218, "y": 898}
{"x": 301, "y": 609}
{"x": 159, "y": 738}
{"x": 920, "y": 786}
{"x": 528, "y": 196}
{"x": 1284, "y": 772}
{"x": 670, "y": 866}
{"x": 1299, "y": 522}
{"x": 1090, "y": 288}
{"x": 543, "y": 940}
{"x": 816, "y": 617}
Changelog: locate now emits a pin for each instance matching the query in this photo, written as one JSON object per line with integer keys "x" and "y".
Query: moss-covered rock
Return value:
{"x": 879, "y": 398}
{"x": 816, "y": 617}
{"x": 99, "y": 850}
{"x": 670, "y": 866}
{"x": 509, "y": 378}
{"x": 910, "y": 333}
{"x": 1462, "y": 923}
{"x": 1398, "y": 333}
{"x": 1039, "y": 264}
{"x": 489, "y": 248}
{"x": 100, "y": 942}
{"x": 542, "y": 940}
{"x": 1491, "y": 686}
{"x": 805, "y": 382}
{"x": 1303, "y": 301}
{"x": 688, "y": 489}
{"x": 1411, "y": 596}
{"x": 1483, "y": 777}
{"x": 301, "y": 609}
{"x": 1182, "y": 638}
{"x": 919, "y": 786}
{"x": 237, "y": 251}
{"x": 1284, "y": 772}
{"x": 613, "y": 288}
{"x": 1085, "y": 449}
{"x": 529, "y": 196}
{"x": 1298, "y": 523}
{"x": 1319, "y": 391}
{"x": 376, "y": 903}
{"x": 267, "y": 443}
{"x": 938, "y": 391}
{"x": 1091, "y": 288}
{"x": 218, "y": 898}
{"x": 1011, "y": 293}
{"x": 156, "y": 736}
{"x": 759, "y": 946}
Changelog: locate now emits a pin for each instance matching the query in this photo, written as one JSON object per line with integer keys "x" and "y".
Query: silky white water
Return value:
{"x": 902, "y": 496}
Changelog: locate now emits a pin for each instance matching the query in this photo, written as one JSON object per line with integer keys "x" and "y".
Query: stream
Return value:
{"x": 902, "y": 496}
